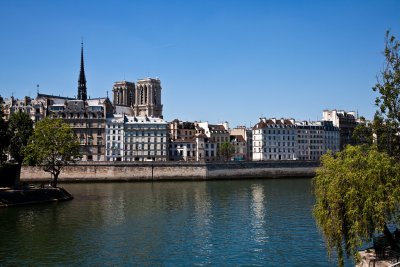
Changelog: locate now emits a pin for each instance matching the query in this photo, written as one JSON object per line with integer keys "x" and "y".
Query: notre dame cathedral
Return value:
{"x": 142, "y": 99}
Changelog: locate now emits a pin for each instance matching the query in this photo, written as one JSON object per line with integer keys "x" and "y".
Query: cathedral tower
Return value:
{"x": 124, "y": 94}
{"x": 82, "y": 94}
{"x": 148, "y": 98}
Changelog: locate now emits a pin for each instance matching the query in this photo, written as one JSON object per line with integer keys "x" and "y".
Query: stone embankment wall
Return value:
{"x": 147, "y": 171}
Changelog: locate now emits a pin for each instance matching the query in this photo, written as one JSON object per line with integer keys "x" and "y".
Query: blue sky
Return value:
{"x": 217, "y": 60}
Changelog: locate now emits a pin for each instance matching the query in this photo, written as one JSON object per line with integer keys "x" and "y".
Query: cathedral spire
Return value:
{"x": 82, "y": 94}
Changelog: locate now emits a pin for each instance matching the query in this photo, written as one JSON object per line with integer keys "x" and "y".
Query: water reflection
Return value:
{"x": 239, "y": 223}
{"x": 258, "y": 213}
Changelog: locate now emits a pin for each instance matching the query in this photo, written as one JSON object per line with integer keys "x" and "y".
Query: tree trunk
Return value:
{"x": 55, "y": 179}
{"x": 389, "y": 237}
{"x": 17, "y": 180}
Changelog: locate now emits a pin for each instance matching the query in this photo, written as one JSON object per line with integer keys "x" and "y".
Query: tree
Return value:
{"x": 357, "y": 193}
{"x": 388, "y": 86}
{"x": 19, "y": 130}
{"x": 226, "y": 150}
{"x": 4, "y": 137}
{"x": 362, "y": 134}
{"x": 53, "y": 146}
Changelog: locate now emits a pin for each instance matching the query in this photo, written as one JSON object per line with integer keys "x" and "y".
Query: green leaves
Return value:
{"x": 226, "y": 150}
{"x": 388, "y": 87}
{"x": 19, "y": 130}
{"x": 357, "y": 191}
{"x": 53, "y": 146}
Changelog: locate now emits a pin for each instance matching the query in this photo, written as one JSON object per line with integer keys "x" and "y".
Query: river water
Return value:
{"x": 214, "y": 223}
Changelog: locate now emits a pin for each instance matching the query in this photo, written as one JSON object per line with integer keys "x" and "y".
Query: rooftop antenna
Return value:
{"x": 37, "y": 89}
{"x": 124, "y": 76}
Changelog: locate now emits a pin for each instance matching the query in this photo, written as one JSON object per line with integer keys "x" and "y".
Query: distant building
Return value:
{"x": 332, "y": 136}
{"x": 240, "y": 147}
{"x": 115, "y": 138}
{"x": 181, "y": 129}
{"x": 217, "y": 133}
{"x": 274, "y": 139}
{"x": 346, "y": 121}
{"x": 87, "y": 120}
{"x": 310, "y": 140}
{"x": 188, "y": 142}
{"x": 35, "y": 108}
{"x": 286, "y": 139}
{"x": 247, "y": 135}
{"x": 131, "y": 138}
{"x": 148, "y": 98}
{"x": 142, "y": 99}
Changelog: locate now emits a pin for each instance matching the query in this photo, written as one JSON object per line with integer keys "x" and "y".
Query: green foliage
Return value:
{"x": 388, "y": 87}
{"x": 19, "y": 130}
{"x": 383, "y": 134}
{"x": 53, "y": 146}
{"x": 357, "y": 192}
{"x": 226, "y": 150}
{"x": 4, "y": 137}
{"x": 362, "y": 134}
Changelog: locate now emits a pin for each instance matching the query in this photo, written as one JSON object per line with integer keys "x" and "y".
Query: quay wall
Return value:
{"x": 156, "y": 171}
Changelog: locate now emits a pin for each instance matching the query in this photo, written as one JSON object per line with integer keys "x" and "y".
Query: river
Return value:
{"x": 215, "y": 223}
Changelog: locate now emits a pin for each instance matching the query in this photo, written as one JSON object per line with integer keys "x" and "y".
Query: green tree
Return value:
{"x": 19, "y": 129}
{"x": 363, "y": 134}
{"x": 52, "y": 146}
{"x": 4, "y": 137}
{"x": 357, "y": 193}
{"x": 226, "y": 150}
{"x": 388, "y": 86}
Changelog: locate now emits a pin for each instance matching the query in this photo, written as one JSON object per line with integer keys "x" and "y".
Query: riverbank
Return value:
{"x": 160, "y": 171}
{"x": 13, "y": 197}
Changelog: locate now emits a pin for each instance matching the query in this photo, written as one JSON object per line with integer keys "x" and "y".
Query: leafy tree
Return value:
{"x": 4, "y": 138}
{"x": 20, "y": 128}
{"x": 382, "y": 133}
{"x": 362, "y": 134}
{"x": 357, "y": 193}
{"x": 388, "y": 86}
{"x": 53, "y": 146}
{"x": 226, "y": 150}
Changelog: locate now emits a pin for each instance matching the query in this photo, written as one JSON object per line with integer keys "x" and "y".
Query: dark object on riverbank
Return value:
{"x": 9, "y": 175}
{"x": 26, "y": 196}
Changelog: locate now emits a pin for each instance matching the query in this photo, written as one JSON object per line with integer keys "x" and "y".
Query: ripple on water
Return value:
{"x": 228, "y": 223}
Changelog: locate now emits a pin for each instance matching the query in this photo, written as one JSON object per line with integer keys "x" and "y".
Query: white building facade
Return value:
{"x": 284, "y": 139}
{"x": 274, "y": 139}
{"x": 115, "y": 138}
{"x": 131, "y": 138}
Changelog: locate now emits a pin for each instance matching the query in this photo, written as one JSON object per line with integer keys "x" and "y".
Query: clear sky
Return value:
{"x": 217, "y": 60}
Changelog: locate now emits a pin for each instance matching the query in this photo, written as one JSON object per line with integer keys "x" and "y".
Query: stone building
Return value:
{"x": 87, "y": 120}
{"x": 217, "y": 133}
{"x": 35, "y": 108}
{"x": 332, "y": 136}
{"x": 310, "y": 140}
{"x": 346, "y": 121}
{"x": 188, "y": 142}
{"x": 145, "y": 139}
{"x": 133, "y": 126}
{"x": 247, "y": 135}
{"x": 131, "y": 138}
{"x": 115, "y": 138}
{"x": 142, "y": 99}
{"x": 181, "y": 129}
{"x": 240, "y": 146}
{"x": 124, "y": 94}
{"x": 274, "y": 139}
{"x": 148, "y": 98}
